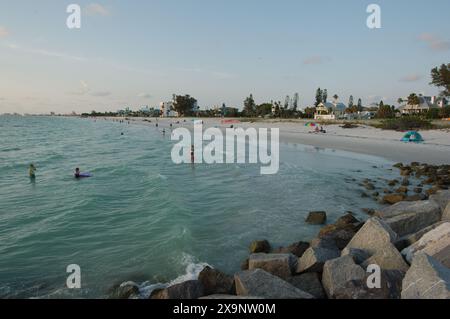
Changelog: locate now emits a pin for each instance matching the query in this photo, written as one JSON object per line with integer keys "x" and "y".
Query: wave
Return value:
{"x": 192, "y": 271}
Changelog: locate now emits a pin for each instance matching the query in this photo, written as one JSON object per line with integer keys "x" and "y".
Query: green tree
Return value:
{"x": 325, "y": 96}
{"x": 440, "y": 77}
{"x": 360, "y": 107}
{"x": 309, "y": 112}
{"x": 185, "y": 105}
{"x": 413, "y": 99}
{"x": 350, "y": 101}
{"x": 295, "y": 102}
{"x": 319, "y": 97}
{"x": 249, "y": 106}
{"x": 385, "y": 111}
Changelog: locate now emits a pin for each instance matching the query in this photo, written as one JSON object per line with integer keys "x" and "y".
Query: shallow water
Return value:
{"x": 143, "y": 218}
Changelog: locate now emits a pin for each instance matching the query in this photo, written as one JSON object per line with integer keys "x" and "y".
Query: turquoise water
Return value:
{"x": 143, "y": 218}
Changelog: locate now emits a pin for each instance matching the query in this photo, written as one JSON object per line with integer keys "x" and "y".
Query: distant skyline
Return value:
{"x": 140, "y": 53}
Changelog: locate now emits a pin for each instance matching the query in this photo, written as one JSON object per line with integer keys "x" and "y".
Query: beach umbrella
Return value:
{"x": 310, "y": 124}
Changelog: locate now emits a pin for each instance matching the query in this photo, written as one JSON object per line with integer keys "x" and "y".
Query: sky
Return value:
{"x": 135, "y": 53}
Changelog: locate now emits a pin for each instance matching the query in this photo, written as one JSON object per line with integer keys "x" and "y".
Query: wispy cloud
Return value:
{"x": 94, "y": 9}
{"x": 316, "y": 59}
{"x": 411, "y": 78}
{"x": 434, "y": 42}
{"x": 3, "y": 32}
{"x": 44, "y": 52}
{"x": 144, "y": 95}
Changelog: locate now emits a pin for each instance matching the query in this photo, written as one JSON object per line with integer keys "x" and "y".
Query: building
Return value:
{"x": 167, "y": 109}
{"x": 324, "y": 112}
{"x": 425, "y": 104}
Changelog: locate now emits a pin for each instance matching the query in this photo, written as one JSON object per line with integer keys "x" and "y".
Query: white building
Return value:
{"x": 167, "y": 109}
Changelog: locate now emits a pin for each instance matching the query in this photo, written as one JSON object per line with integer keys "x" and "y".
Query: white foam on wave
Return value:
{"x": 192, "y": 271}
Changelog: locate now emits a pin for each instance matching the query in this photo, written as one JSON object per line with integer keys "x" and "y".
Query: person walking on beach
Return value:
{"x": 32, "y": 171}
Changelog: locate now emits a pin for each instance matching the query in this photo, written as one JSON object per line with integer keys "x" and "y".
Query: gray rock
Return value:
{"x": 260, "y": 246}
{"x": 192, "y": 289}
{"x": 337, "y": 273}
{"x": 435, "y": 243}
{"x": 373, "y": 236}
{"x": 280, "y": 265}
{"x": 316, "y": 218}
{"x": 126, "y": 290}
{"x": 314, "y": 258}
{"x": 358, "y": 255}
{"x": 388, "y": 258}
{"x": 232, "y": 297}
{"x": 409, "y": 217}
{"x": 426, "y": 279}
{"x": 310, "y": 283}
{"x": 410, "y": 239}
{"x": 260, "y": 283}
{"x": 216, "y": 282}
{"x": 297, "y": 249}
{"x": 442, "y": 197}
{"x": 446, "y": 214}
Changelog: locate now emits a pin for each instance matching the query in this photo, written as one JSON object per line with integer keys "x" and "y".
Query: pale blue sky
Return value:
{"x": 132, "y": 53}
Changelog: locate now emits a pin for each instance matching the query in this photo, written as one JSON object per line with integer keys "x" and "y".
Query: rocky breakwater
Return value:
{"x": 402, "y": 251}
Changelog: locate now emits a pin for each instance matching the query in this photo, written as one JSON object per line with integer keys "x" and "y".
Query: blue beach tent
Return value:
{"x": 412, "y": 137}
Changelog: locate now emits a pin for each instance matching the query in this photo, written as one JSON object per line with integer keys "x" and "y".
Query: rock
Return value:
{"x": 393, "y": 182}
{"x": 215, "y": 297}
{"x": 369, "y": 211}
{"x": 402, "y": 190}
{"x": 418, "y": 190}
{"x": 388, "y": 258}
{"x": 260, "y": 283}
{"x": 405, "y": 181}
{"x": 339, "y": 236}
{"x": 317, "y": 218}
{"x": 446, "y": 214}
{"x": 216, "y": 282}
{"x": 435, "y": 243}
{"x": 126, "y": 290}
{"x": 358, "y": 255}
{"x": 244, "y": 265}
{"x": 192, "y": 289}
{"x": 409, "y": 217}
{"x": 314, "y": 258}
{"x": 337, "y": 273}
{"x": 426, "y": 279}
{"x": 410, "y": 239}
{"x": 346, "y": 220}
{"x": 393, "y": 198}
{"x": 369, "y": 186}
{"x": 373, "y": 236}
{"x": 310, "y": 283}
{"x": 324, "y": 242}
{"x": 280, "y": 265}
{"x": 442, "y": 198}
{"x": 260, "y": 246}
{"x": 296, "y": 249}
{"x": 415, "y": 198}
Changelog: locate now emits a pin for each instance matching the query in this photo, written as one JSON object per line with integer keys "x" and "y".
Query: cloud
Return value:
{"x": 43, "y": 52}
{"x": 3, "y": 32}
{"x": 144, "y": 95}
{"x": 94, "y": 9}
{"x": 411, "y": 78}
{"x": 101, "y": 93}
{"x": 316, "y": 59}
{"x": 433, "y": 42}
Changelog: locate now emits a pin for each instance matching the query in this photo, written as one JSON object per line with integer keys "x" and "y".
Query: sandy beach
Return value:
{"x": 363, "y": 139}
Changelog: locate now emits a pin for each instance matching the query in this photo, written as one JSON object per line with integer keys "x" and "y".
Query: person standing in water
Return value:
{"x": 32, "y": 171}
{"x": 77, "y": 173}
{"x": 192, "y": 154}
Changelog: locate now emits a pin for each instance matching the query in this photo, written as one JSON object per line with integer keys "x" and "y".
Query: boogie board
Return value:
{"x": 85, "y": 175}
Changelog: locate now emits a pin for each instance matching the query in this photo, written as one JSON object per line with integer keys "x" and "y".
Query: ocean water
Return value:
{"x": 143, "y": 218}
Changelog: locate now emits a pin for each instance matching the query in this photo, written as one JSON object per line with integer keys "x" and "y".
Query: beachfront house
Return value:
{"x": 425, "y": 104}
{"x": 167, "y": 109}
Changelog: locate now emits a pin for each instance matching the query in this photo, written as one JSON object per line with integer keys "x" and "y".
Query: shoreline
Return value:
{"x": 363, "y": 139}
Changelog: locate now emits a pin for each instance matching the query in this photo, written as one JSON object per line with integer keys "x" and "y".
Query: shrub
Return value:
{"x": 406, "y": 123}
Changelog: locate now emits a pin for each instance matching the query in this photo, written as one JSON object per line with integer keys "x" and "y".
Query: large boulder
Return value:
{"x": 409, "y": 217}
{"x": 388, "y": 258}
{"x": 260, "y": 246}
{"x": 280, "y": 265}
{"x": 310, "y": 283}
{"x": 314, "y": 258}
{"x": 191, "y": 289}
{"x": 442, "y": 197}
{"x": 215, "y": 282}
{"x": 393, "y": 198}
{"x": 260, "y": 283}
{"x": 316, "y": 218}
{"x": 338, "y": 273}
{"x": 358, "y": 255}
{"x": 426, "y": 279}
{"x": 125, "y": 290}
{"x": 296, "y": 249}
{"x": 446, "y": 214}
{"x": 340, "y": 233}
{"x": 373, "y": 236}
{"x": 435, "y": 243}
{"x": 410, "y": 239}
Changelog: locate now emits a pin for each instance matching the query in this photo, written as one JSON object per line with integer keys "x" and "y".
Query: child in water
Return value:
{"x": 77, "y": 173}
{"x": 32, "y": 171}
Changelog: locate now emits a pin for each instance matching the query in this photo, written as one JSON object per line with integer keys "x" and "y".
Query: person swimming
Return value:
{"x": 32, "y": 171}
{"x": 77, "y": 173}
